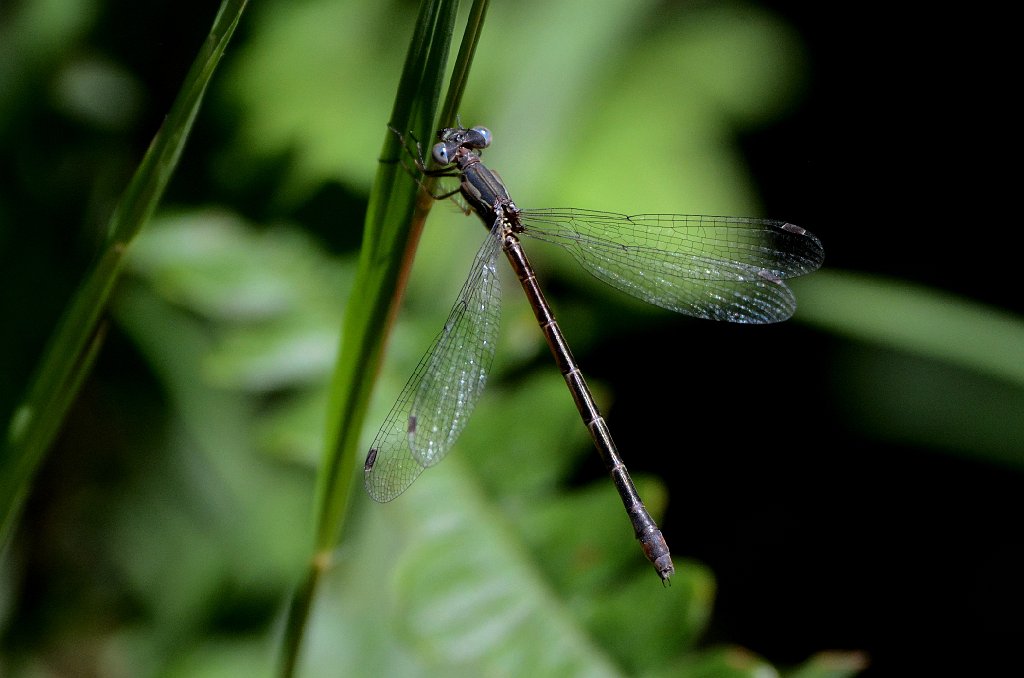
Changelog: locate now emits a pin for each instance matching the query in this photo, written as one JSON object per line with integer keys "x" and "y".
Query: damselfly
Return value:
{"x": 720, "y": 268}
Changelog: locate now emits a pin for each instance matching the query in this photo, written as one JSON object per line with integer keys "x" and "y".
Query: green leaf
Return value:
{"x": 469, "y": 597}
{"x": 275, "y": 293}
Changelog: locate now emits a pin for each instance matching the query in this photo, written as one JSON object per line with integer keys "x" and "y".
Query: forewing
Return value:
{"x": 721, "y": 268}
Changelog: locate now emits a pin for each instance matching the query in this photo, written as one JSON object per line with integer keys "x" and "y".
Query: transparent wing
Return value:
{"x": 720, "y": 268}
{"x": 445, "y": 386}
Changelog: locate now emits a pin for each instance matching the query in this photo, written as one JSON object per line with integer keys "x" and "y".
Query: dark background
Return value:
{"x": 907, "y": 553}
{"x": 898, "y": 158}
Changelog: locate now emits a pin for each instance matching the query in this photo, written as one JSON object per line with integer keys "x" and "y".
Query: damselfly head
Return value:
{"x": 454, "y": 138}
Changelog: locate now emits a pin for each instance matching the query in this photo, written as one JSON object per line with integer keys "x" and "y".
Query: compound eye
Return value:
{"x": 441, "y": 153}
{"x": 484, "y": 137}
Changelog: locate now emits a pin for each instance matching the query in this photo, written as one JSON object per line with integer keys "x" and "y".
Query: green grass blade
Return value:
{"x": 931, "y": 368}
{"x": 394, "y": 221}
{"x": 69, "y": 353}
{"x": 460, "y": 75}
{"x": 915, "y": 319}
{"x": 384, "y": 259}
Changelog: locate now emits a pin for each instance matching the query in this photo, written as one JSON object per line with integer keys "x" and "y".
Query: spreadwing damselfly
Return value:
{"x": 720, "y": 268}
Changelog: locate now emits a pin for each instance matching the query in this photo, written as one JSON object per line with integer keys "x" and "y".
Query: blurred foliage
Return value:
{"x": 69, "y": 354}
{"x": 175, "y": 515}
